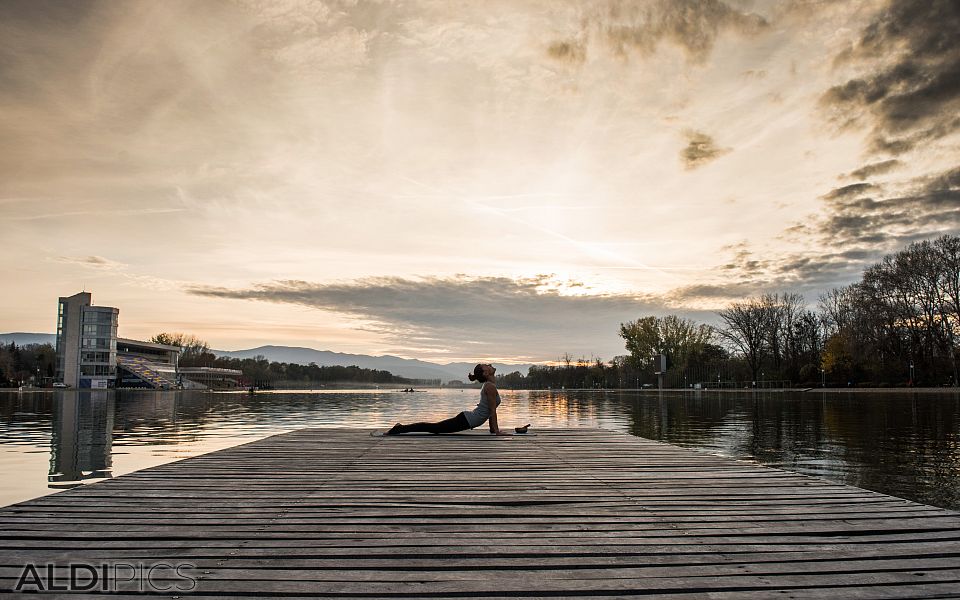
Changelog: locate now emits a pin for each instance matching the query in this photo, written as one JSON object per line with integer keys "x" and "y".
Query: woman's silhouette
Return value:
{"x": 486, "y": 410}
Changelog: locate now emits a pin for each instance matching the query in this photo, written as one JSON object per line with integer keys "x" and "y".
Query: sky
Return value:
{"x": 478, "y": 180}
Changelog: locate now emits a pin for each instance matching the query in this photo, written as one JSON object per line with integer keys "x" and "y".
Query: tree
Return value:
{"x": 806, "y": 345}
{"x": 7, "y": 368}
{"x": 837, "y": 359}
{"x": 904, "y": 312}
{"x": 747, "y": 329}
{"x": 947, "y": 248}
{"x": 674, "y": 336}
{"x": 786, "y": 311}
{"x": 193, "y": 350}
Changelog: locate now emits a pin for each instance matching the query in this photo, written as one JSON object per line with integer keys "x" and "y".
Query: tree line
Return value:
{"x": 37, "y": 364}
{"x": 30, "y": 363}
{"x": 258, "y": 371}
{"x": 899, "y": 325}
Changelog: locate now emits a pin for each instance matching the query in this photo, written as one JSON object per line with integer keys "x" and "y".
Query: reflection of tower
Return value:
{"x": 82, "y": 439}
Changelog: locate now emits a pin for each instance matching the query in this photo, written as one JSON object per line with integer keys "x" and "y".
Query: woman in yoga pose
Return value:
{"x": 486, "y": 410}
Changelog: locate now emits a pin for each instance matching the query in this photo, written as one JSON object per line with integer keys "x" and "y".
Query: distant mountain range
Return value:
{"x": 404, "y": 367}
{"x": 25, "y": 339}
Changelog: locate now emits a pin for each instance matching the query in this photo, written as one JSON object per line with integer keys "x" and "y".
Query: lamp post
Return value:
{"x": 823, "y": 377}
{"x": 911, "y": 374}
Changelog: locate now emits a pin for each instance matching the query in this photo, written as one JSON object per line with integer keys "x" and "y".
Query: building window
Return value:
{"x": 104, "y": 343}
{"x": 95, "y": 357}
{"x": 97, "y": 370}
{"x": 100, "y": 330}
{"x": 99, "y": 316}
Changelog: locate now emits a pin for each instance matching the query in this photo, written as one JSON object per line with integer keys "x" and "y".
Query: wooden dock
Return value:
{"x": 568, "y": 513}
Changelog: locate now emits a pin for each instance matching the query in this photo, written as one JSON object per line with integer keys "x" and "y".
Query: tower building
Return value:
{"x": 86, "y": 342}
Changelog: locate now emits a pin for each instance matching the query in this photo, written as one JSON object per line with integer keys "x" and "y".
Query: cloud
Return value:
{"x": 700, "y": 150}
{"x": 624, "y": 27}
{"x": 947, "y": 182}
{"x": 92, "y": 261}
{"x": 755, "y": 74}
{"x": 465, "y": 316}
{"x": 878, "y": 168}
{"x": 925, "y": 207}
{"x": 745, "y": 274}
{"x": 910, "y": 90}
{"x": 572, "y": 51}
{"x": 850, "y": 191}
{"x": 308, "y": 35}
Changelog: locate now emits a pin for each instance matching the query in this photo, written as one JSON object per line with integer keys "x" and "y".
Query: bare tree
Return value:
{"x": 785, "y": 311}
{"x": 747, "y": 329}
{"x": 836, "y": 308}
{"x": 948, "y": 260}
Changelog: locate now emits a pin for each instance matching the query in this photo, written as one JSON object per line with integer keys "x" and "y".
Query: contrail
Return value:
{"x": 590, "y": 249}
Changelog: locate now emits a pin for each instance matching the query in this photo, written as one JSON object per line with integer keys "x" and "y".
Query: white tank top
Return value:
{"x": 481, "y": 413}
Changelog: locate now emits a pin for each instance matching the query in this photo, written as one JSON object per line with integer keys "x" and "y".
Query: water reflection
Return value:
{"x": 81, "y": 440}
{"x": 898, "y": 443}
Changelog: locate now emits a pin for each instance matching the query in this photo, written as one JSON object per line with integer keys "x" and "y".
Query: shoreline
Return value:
{"x": 827, "y": 390}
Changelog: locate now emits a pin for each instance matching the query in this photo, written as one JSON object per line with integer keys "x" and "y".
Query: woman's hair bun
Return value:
{"x": 478, "y": 374}
{"x": 471, "y": 376}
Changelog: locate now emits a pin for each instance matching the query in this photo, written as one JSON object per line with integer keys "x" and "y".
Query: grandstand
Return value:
{"x": 156, "y": 366}
{"x": 147, "y": 365}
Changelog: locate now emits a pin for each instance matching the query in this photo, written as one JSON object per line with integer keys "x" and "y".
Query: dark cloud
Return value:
{"x": 568, "y": 51}
{"x": 700, "y": 150}
{"x": 488, "y": 316}
{"x": 879, "y": 168}
{"x": 850, "y": 191}
{"x": 945, "y": 182}
{"x": 755, "y": 74}
{"x": 910, "y": 92}
{"x": 625, "y": 26}
{"x": 749, "y": 275}
{"x": 928, "y": 207}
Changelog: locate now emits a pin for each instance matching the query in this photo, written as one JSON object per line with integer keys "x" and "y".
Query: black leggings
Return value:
{"x": 451, "y": 425}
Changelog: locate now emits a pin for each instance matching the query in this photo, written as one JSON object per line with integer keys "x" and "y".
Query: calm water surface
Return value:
{"x": 901, "y": 444}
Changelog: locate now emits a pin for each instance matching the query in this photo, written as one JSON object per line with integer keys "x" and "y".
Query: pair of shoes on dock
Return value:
{"x": 522, "y": 429}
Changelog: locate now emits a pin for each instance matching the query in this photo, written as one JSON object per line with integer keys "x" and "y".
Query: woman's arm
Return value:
{"x": 491, "y": 393}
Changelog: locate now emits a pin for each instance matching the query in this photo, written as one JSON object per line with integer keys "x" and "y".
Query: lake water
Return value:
{"x": 898, "y": 443}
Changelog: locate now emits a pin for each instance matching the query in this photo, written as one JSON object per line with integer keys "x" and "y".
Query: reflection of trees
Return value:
{"x": 908, "y": 447}
{"x": 907, "y": 443}
{"x": 81, "y": 438}
{"x": 683, "y": 419}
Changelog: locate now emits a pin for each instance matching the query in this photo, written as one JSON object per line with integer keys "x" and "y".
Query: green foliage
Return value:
{"x": 194, "y": 352}
{"x": 674, "y": 336}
